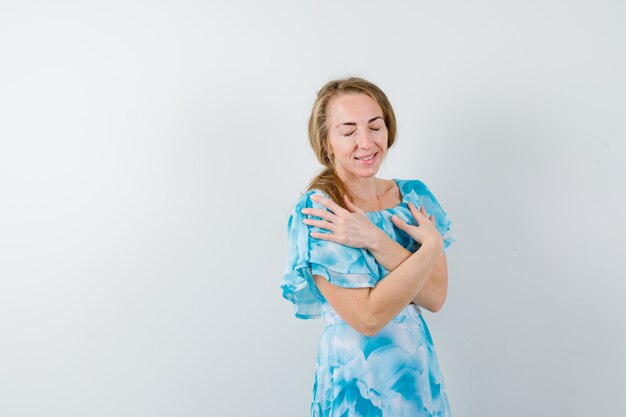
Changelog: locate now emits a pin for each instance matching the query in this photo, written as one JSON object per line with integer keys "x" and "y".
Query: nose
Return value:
{"x": 365, "y": 140}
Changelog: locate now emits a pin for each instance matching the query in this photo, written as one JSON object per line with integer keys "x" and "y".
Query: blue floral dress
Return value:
{"x": 391, "y": 374}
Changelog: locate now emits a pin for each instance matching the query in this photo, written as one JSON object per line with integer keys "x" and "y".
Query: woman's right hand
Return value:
{"x": 425, "y": 232}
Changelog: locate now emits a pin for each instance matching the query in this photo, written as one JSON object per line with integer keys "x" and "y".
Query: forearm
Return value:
{"x": 434, "y": 292}
{"x": 399, "y": 287}
{"x": 390, "y": 254}
{"x": 387, "y": 252}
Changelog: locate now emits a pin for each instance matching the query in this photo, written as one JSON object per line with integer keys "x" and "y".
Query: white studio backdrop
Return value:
{"x": 150, "y": 153}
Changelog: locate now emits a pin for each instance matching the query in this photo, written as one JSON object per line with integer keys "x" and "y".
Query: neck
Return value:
{"x": 364, "y": 189}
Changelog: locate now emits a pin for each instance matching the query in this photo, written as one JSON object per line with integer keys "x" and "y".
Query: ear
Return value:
{"x": 328, "y": 150}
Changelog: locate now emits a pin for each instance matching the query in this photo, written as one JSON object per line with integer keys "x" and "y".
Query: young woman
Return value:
{"x": 365, "y": 253}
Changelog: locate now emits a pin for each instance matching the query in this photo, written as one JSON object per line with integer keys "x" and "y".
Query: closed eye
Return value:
{"x": 375, "y": 129}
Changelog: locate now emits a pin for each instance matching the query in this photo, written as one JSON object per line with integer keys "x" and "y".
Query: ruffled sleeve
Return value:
{"x": 307, "y": 256}
{"x": 418, "y": 193}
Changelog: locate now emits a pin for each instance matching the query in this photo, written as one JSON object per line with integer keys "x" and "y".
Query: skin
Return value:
{"x": 367, "y": 310}
{"x": 357, "y": 128}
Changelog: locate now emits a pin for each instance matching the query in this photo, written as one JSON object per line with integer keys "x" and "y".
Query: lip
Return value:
{"x": 366, "y": 156}
{"x": 368, "y": 162}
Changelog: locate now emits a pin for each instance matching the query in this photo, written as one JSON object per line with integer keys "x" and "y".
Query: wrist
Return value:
{"x": 430, "y": 247}
{"x": 377, "y": 240}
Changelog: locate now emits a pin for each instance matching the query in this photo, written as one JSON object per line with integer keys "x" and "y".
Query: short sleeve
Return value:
{"x": 420, "y": 194}
{"x": 307, "y": 256}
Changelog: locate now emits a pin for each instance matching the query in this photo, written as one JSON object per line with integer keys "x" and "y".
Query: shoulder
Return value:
{"x": 419, "y": 194}
{"x": 409, "y": 186}
{"x": 304, "y": 201}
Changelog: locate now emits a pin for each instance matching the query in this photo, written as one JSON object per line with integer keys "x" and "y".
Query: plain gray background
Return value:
{"x": 150, "y": 153}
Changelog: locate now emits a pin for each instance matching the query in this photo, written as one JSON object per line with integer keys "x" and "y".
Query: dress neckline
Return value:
{"x": 397, "y": 205}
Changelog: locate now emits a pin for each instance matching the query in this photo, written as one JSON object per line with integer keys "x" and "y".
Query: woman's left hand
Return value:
{"x": 351, "y": 228}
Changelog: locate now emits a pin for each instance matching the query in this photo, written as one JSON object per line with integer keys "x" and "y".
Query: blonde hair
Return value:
{"x": 328, "y": 180}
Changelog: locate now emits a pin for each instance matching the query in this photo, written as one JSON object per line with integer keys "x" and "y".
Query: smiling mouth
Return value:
{"x": 369, "y": 158}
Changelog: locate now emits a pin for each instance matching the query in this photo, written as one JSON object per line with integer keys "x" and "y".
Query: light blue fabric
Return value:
{"x": 394, "y": 373}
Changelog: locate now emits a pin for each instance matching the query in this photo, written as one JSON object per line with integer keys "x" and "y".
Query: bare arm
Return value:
{"x": 368, "y": 310}
{"x": 356, "y": 230}
{"x": 390, "y": 254}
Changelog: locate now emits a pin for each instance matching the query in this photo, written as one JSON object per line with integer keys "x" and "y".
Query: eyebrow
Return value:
{"x": 354, "y": 124}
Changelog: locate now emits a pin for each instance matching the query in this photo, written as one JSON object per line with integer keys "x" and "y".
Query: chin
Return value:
{"x": 366, "y": 173}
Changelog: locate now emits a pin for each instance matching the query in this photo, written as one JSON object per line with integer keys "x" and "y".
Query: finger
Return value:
{"x": 328, "y": 203}
{"x": 432, "y": 219}
{"x": 324, "y": 236}
{"x": 322, "y": 213}
{"x": 428, "y": 216}
{"x": 398, "y": 221}
{"x": 417, "y": 214}
{"x": 322, "y": 224}
{"x": 351, "y": 206}
{"x": 400, "y": 224}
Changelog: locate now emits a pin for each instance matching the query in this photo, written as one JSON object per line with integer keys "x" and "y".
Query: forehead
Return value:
{"x": 353, "y": 107}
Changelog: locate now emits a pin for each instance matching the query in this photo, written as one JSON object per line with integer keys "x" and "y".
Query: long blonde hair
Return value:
{"x": 328, "y": 180}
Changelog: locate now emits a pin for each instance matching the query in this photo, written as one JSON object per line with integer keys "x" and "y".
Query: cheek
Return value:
{"x": 341, "y": 148}
{"x": 382, "y": 142}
